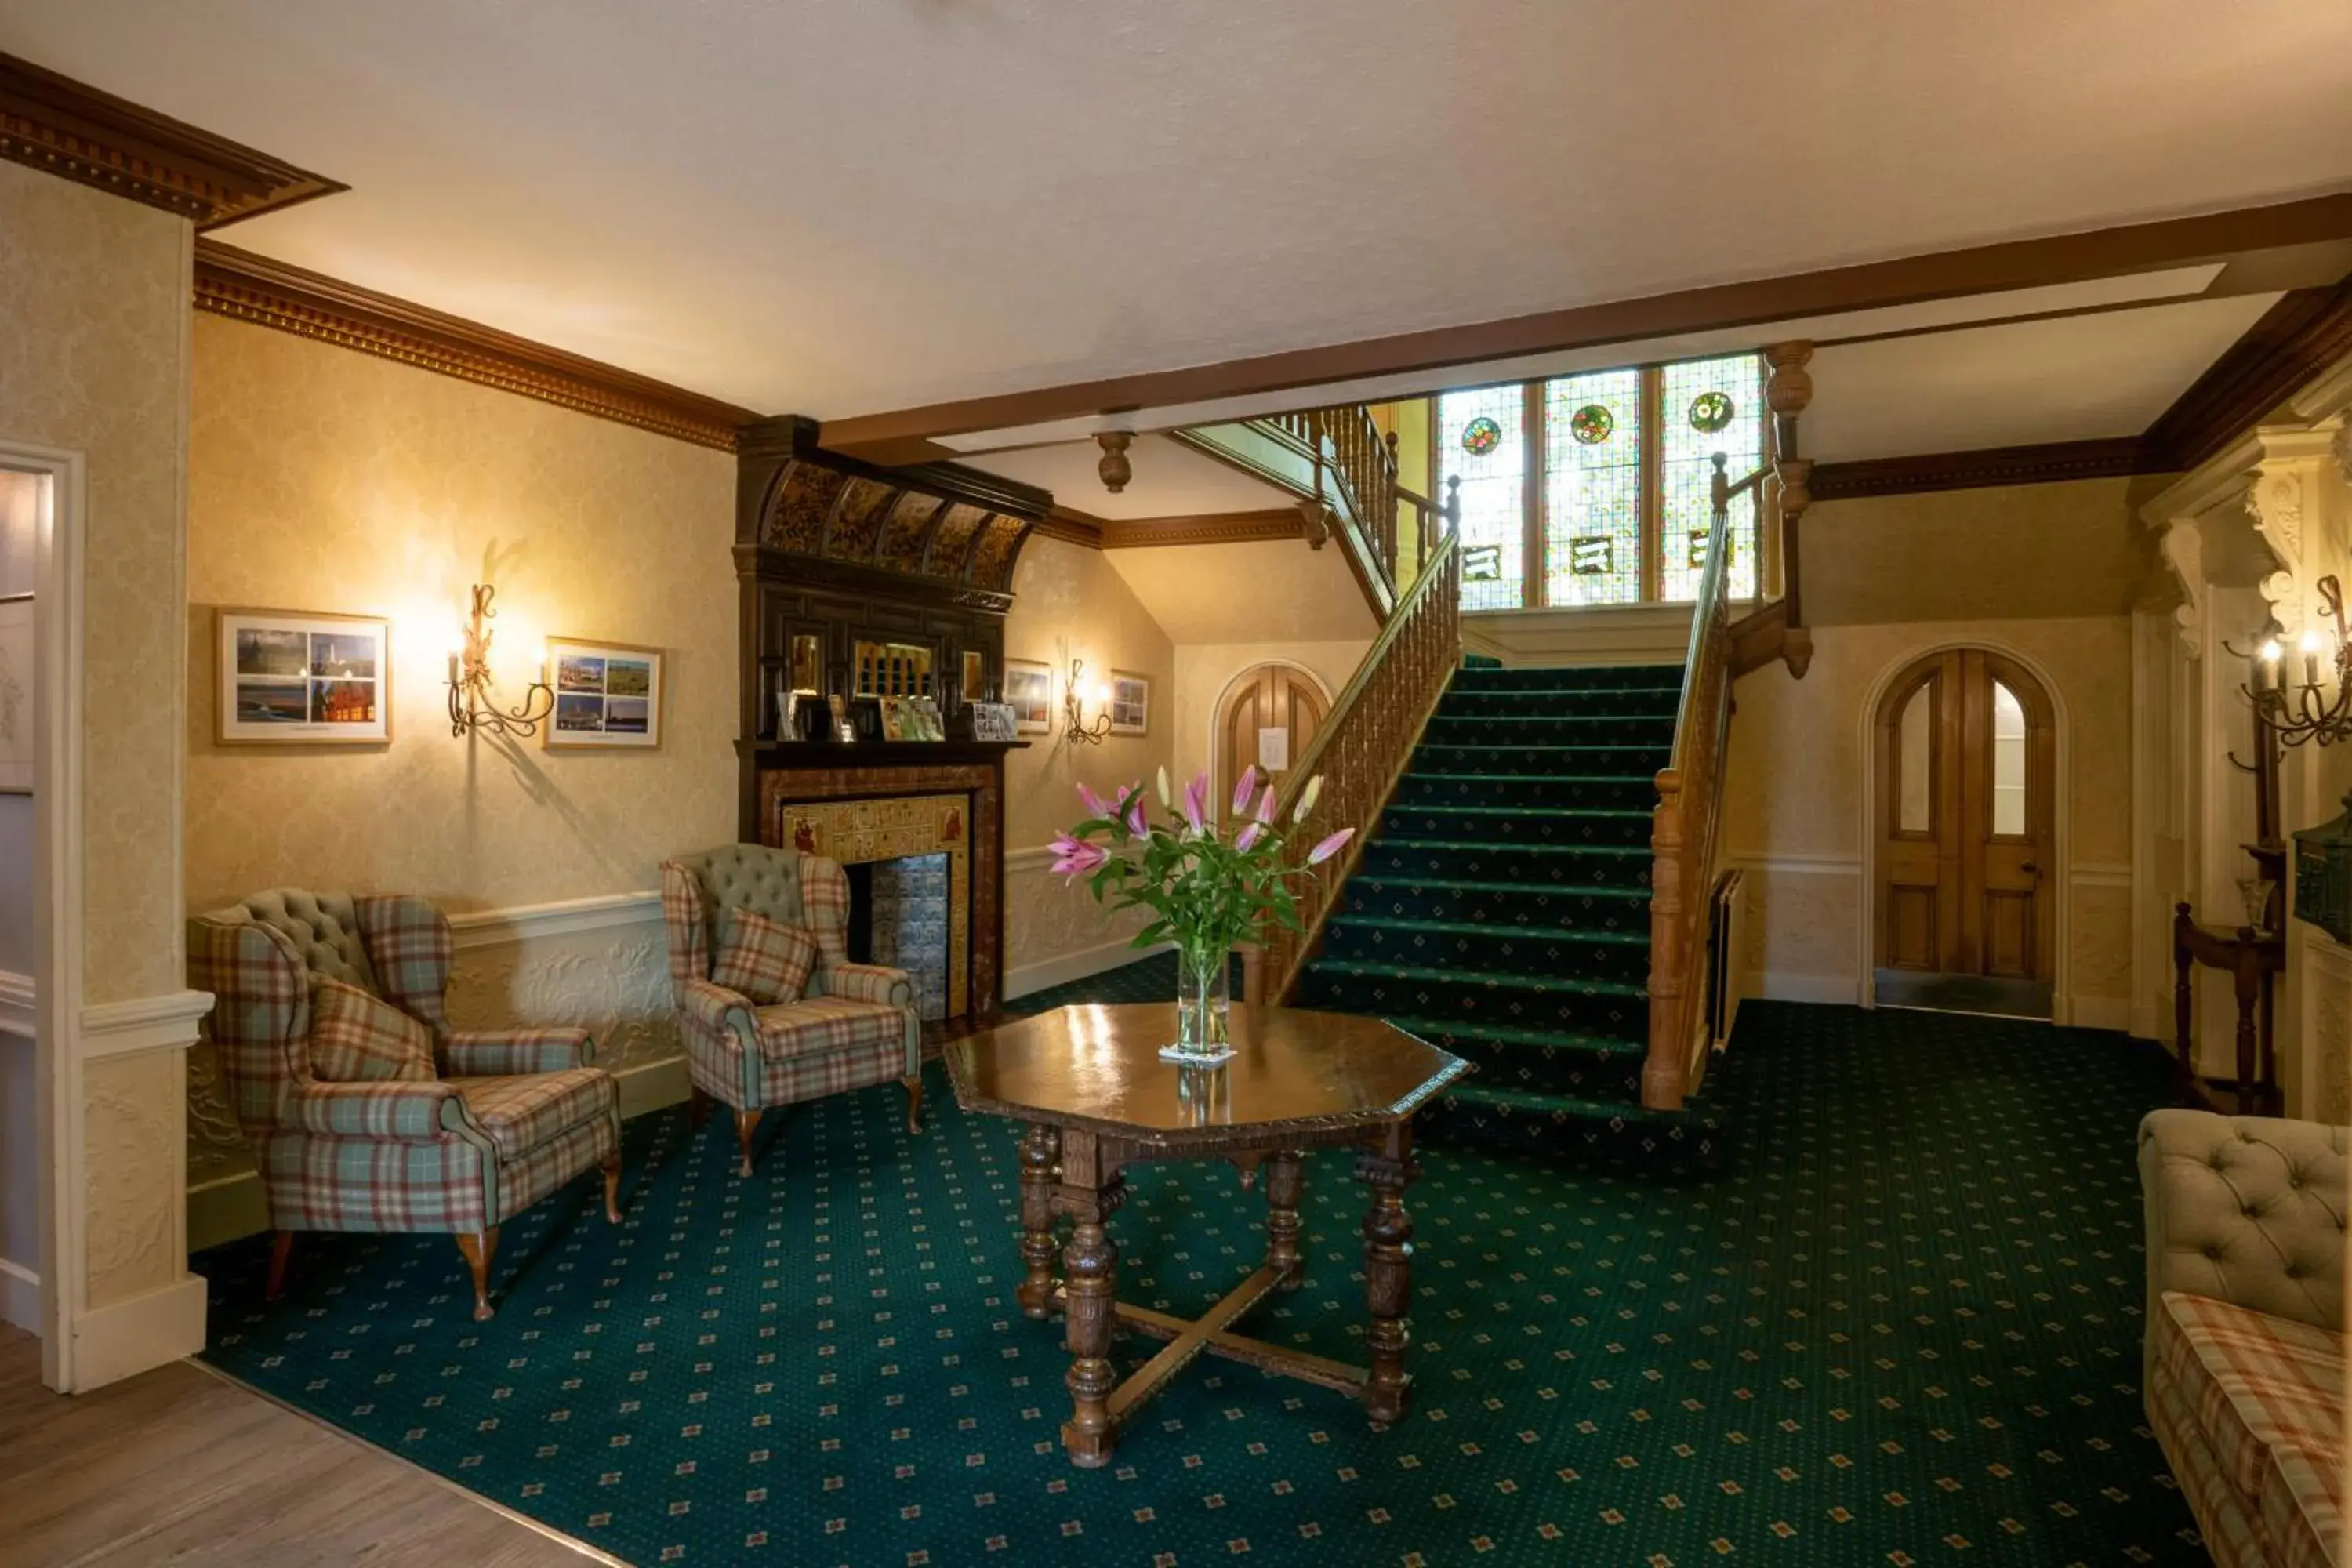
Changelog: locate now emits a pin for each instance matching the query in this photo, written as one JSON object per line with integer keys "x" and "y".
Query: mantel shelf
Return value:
{"x": 872, "y": 753}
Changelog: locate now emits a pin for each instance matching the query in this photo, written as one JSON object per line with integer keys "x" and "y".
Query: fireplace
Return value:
{"x": 898, "y": 918}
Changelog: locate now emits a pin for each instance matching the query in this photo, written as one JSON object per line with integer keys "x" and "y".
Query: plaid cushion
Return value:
{"x": 2229, "y": 1530}
{"x": 410, "y": 944}
{"x": 819, "y": 1023}
{"x": 682, "y": 915}
{"x": 2251, "y": 1381}
{"x": 763, "y": 959}
{"x": 2303, "y": 1506}
{"x": 496, "y": 1053}
{"x": 521, "y": 1114}
{"x": 359, "y": 1038}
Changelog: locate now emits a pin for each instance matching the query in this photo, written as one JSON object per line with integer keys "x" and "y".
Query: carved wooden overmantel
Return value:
{"x": 832, "y": 554}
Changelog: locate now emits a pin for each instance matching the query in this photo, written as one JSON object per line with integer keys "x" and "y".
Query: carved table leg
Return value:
{"x": 1091, "y": 1285}
{"x": 1388, "y": 1263}
{"x": 1284, "y": 1183}
{"x": 1041, "y": 1168}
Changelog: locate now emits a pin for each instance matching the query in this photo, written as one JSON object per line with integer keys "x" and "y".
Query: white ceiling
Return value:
{"x": 1171, "y": 480}
{"x": 2068, "y": 378}
{"x": 839, "y": 208}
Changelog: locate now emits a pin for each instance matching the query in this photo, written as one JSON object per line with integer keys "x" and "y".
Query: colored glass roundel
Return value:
{"x": 1592, "y": 424}
{"x": 1481, "y": 436}
{"x": 1710, "y": 412}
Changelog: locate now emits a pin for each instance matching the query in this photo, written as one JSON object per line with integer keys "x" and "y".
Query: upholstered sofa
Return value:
{"x": 2245, "y": 1350}
{"x": 853, "y": 1026}
{"x": 497, "y": 1121}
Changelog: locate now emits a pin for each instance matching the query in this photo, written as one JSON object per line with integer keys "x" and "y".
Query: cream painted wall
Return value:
{"x": 324, "y": 480}
{"x": 1797, "y": 781}
{"x": 1069, "y": 602}
{"x": 94, "y": 308}
{"x": 1205, "y": 671}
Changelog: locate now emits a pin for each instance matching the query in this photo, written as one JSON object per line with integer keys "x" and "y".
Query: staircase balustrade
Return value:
{"x": 1337, "y": 458}
{"x": 1366, "y": 742}
{"x": 1683, "y": 838}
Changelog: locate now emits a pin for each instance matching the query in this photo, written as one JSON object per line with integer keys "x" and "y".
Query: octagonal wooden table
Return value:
{"x": 1096, "y": 1097}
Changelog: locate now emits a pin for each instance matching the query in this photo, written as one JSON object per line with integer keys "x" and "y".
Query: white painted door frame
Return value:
{"x": 57, "y": 893}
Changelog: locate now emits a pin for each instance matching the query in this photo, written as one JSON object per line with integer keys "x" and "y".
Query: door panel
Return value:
{"x": 1966, "y": 758}
{"x": 1273, "y": 697}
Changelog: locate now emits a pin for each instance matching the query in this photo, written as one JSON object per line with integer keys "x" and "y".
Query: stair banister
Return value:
{"x": 1684, "y": 829}
{"x": 1366, "y": 742}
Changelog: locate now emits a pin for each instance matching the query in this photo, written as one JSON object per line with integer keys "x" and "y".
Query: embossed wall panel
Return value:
{"x": 899, "y": 545}
{"x": 953, "y": 541}
{"x": 804, "y": 507}
{"x": 991, "y": 557}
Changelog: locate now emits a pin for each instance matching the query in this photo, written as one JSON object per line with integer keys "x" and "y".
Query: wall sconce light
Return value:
{"x": 470, "y": 708}
{"x": 2296, "y": 710}
{"x": 1074, "y": 725}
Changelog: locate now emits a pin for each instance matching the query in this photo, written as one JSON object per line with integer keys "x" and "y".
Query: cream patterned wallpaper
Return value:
{"x": 94, "y": 294}
{"x": 1798, "y": 779}
{"x": 324, "y": 480}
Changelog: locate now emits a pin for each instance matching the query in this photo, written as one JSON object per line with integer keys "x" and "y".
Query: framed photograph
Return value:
{"x": 1029, "y": 689}
{"x": 994, "y": 722}
{"x": 607, "y": 695}
{"x": 16, "y": 694}
{"x": 295, "y": 678}
{"x": 1130, "y": 703}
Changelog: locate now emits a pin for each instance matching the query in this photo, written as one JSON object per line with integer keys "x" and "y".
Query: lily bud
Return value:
{"x": 1306, "y": 800}
{"x": 1166, "y": 798}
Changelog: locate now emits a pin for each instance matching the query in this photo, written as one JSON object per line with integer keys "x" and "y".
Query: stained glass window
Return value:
{"x": 1592, "y": 487}
{"x": 1692, "y": 398}
{"x": 1494, "y": 485}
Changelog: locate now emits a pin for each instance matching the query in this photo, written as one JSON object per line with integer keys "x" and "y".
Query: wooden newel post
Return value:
{"x": 1788, "y": 390}
{"x": 1662, "y": 1072}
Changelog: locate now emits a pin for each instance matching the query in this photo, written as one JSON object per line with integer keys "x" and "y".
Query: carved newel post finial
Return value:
{"x": 1115, "y": 469}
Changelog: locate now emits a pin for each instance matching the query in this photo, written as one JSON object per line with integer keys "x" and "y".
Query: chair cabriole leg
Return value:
{"x": 746, "y": 1123}
{"x": 280, "y": 1247}
{"x": 613, "y": 1187}
{"x": 481, "y": 1249}
{"x": 914, "y": 1082}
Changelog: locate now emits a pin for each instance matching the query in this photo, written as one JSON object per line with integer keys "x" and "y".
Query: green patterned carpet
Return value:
{"x": 1900, "y": 1327}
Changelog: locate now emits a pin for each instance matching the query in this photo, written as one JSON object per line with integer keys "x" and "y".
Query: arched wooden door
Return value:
{"x": 1268, "y": 719}
{"x": 1965, "y": 777}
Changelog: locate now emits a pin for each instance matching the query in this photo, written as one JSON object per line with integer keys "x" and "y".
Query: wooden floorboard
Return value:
{"x": 176, "y": 1466}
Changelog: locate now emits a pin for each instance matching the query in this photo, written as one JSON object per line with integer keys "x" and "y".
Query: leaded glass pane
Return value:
{"x": 1692, "y": 398}
{"x": 1592, "y": 487}
{"x": 2008, "y": 762}
{"x": 1482, "y": 437}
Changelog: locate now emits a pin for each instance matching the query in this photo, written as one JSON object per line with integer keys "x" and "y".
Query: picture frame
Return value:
{"x": 1130, "y": 703}
{"x": 974, "y": 687}
{"x": 1029, "y": 690}
{"x": 994, "y": 722}
{"x": 609, "y": 696}
{"x": 301, "y": 678}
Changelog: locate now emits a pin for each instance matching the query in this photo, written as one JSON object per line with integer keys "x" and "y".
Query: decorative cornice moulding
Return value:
{"x": 1216, "y": 528}
{"x": 71, "y": 130}
{"x": 2295, "y": 341}
{"x": 248, "y": 287}
{"x": 2112, "y": 458}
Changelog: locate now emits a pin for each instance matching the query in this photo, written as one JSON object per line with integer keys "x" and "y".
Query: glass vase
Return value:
{"x": 1203, "y": 980}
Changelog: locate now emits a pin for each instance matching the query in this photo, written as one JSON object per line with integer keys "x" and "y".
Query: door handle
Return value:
{"x": 2029, "y": 866}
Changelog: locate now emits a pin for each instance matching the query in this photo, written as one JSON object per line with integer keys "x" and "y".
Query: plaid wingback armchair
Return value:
{"x": 853, "y": 1024}
{"x": 508, "y": 1116}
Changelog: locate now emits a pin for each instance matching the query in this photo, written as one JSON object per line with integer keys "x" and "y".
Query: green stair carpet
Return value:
{"x": 1902, "y": 1327}
{"x": 1502, "y": 911}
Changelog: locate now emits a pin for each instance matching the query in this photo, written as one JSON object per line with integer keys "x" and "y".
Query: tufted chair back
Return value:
{"x": 786, "y": 885}
{"x": 2248, "y": 1210}
{"x": 258, "y": 958}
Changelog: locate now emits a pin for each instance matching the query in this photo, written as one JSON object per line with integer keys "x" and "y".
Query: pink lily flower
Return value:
{"x": 1095, "y": 805}
{"x": 1135, "y": 822}
{"x": 1330, "y": 847}
{"x": 1249, "y": 835}
{"x": 1265, "y": 812}
{"x": 1196, "y": 801}
{"x": 1245, "y": 788}
{"x": 1076, "y": 857}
